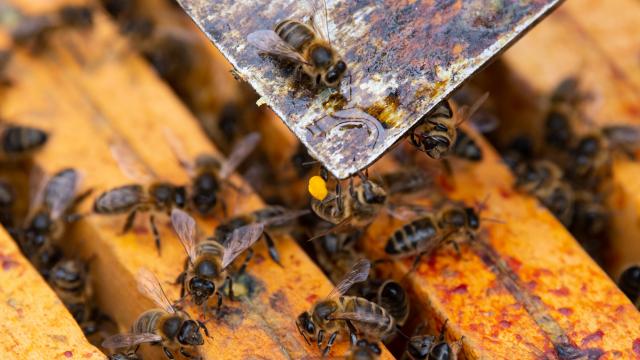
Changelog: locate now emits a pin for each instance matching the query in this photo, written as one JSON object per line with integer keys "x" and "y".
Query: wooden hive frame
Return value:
{"x": 94, "y": 90}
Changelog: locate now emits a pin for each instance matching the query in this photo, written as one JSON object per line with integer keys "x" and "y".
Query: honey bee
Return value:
{"x": 20, "y": 141}
{"x": 165, "y": 326}
{"x": 338, "y": 314}
{"x": 209, "y": 175}
{"x": 629, "y": 283}
{"x": 364, "y": 350}
{"x": 207, "y": 260}
{"x": 357, "y": 208}
{"x": 428, "y": 232}
{"x": 544, "y": 180}
{"x": 436, "y": 133}
{"x": 152, "y": 196}
{"x": 427, "y": 347}
{"x": 52, "y": 208}
{"x": 274, "y": 218}
{"x": 69, "y": 278}
{"x": 308, "y": 46}
{"x": 34, "y": 31}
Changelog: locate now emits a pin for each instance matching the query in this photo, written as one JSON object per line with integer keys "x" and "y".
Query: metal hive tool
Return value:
{"x": 404, "y": 57}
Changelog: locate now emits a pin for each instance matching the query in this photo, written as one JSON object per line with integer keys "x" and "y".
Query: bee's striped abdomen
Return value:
{"x": 411, "y": 237}
{"x": 295, "y": 33}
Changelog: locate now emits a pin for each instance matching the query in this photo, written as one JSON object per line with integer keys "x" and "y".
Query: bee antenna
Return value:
{"x": 310, "y": 163}
{"x": 493, "y": 220}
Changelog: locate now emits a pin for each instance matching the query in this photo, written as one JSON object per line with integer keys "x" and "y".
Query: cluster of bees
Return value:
{"x": 571, "y": 172}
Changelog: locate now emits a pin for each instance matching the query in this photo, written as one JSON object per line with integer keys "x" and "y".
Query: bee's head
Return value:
{"x": 306, "y": 327}
{"x": 420, "y": 346}
{"x": 372, "y": 193}
{"x": 201, "y": 289}
{"x": 335, "y": 73}
{"x": 189, "y": 334}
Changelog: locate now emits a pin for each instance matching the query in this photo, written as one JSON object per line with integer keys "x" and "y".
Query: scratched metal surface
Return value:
{"x": 404, "y": 57}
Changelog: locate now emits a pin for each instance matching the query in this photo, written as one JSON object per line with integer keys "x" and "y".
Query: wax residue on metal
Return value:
{"x": 404, "y": 58}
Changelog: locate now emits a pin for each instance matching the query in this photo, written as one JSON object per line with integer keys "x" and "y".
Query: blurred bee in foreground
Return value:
{"x": 338, "y": 314}
{"x": 308, "y": 46}
{"x": 34, "y": 32}
{"x": 364, "y": 350}
{"x": 629, "y": 283}
{"x": 274, "y": 218}
{"x": 209, "y": 175}
{"x": 52, "y": 208}
{"x": 20, "y": 141}
{"x": 436, "y": 134}
{"x": 427, "y": 347}
{"x": 428, "y": 232}
{"x": 164, "y": 326}
{"x": 153, "y": 196}
{"x": 205, "y": 272}
{"x": 69, "y": 278}
{"x": 544, "y": 180}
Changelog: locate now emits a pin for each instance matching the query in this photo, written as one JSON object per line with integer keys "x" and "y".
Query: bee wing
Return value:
{"x": 127, "y": 340}
{"x": 285, "y": 217}
{"x": 149, "y": 286}
{"x": 177, "y": 147}
{"x": 241, "y": 239}
{"x": 485, "y": 122}
{"x": 269, "y": 42}
{"x": 129, "y": 162}
{"x": 317, "y": 10}
{"x": 625, "y": 136}
{"x": 466, "y": 112}
{"x": 185, "y": 227}
{"x": 60, "y": 191}
{"x": 239, "y": 154}
{"x": 358, "y": 273}
{"x": 37, "y": 184}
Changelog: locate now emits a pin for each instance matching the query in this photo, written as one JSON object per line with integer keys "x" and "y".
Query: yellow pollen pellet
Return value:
{"x": 318, "y": 187}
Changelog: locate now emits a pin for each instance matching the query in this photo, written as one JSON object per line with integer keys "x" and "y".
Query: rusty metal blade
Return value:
{"x": 404, "y": 57}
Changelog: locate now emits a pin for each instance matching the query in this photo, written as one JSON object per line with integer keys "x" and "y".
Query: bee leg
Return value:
{"x": 128, "y": 224}
{"x": 229, "y": 282}
{"x": 320, "y": 338}
{"x": 332, "y": 339}
{"x": 219, "y": 295}
{"x": 223, "y": 205}
{"x": 339, "y": 196}
{"x": 352, "y": 333}
{"x": 447, "y": 167}
{"x": 456, "y": 247}
{"x": 203, "y": 327}
{"x": 156, "y": 233}
{"x": 167, "y": 353}
{"x": 243, "y": 267}
{"x": 416, "y": 262}
{"x": 184, "y": 353}
{"x": 273, "y": 252}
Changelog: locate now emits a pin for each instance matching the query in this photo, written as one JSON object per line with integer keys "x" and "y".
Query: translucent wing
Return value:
{"x": 358, "y": 273}
{"x": 37, "y": 184}
{"x": 149, "y": 286}
{"x": 177, "y": 147}
{"x": 239, "y": 154}
{"x": 485, "y": 122}
{"x": 241, "y": 239}
{"x": 465, "y": 113}
{"x": 318, "y": 12}
{"x": 60, "y": 192}
{"x": 185, "y": 227}
{"x": 127, "y": 340}
{"x": 625, "y": 136}
{"x": 129, "y": 163}
{"x": 284, "y": 217}
{"x": 269, "y": 42}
